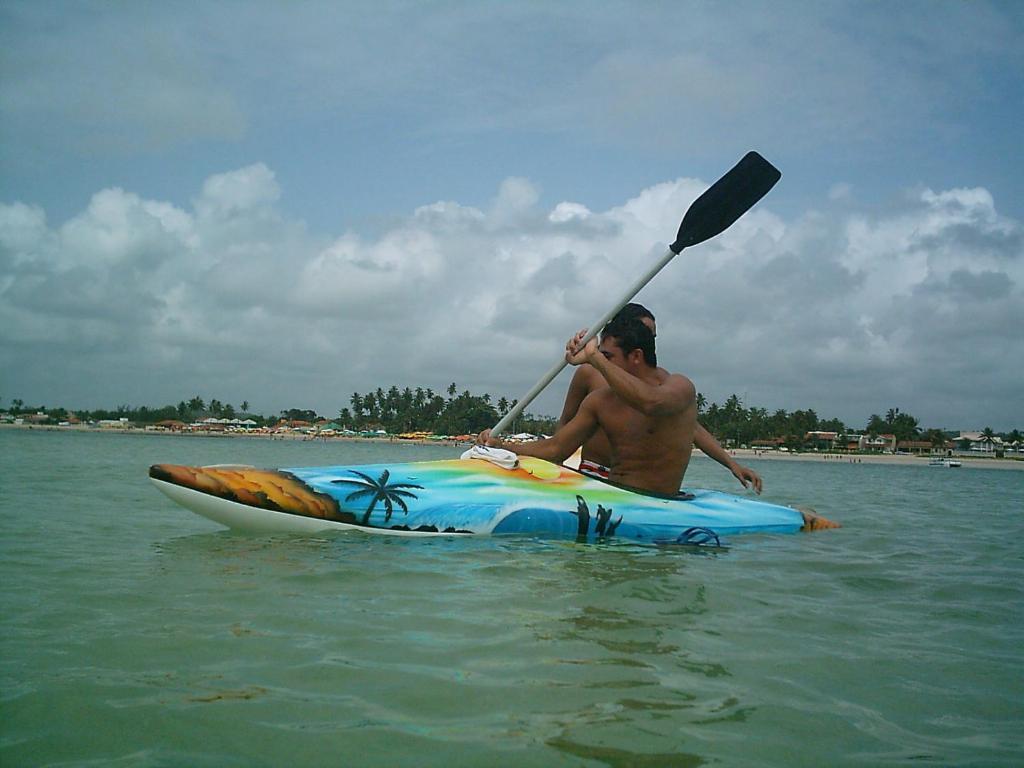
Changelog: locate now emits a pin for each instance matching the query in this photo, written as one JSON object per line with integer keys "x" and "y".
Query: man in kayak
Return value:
{"x": 648, "y": 414}
{"x": 596, "y": 454}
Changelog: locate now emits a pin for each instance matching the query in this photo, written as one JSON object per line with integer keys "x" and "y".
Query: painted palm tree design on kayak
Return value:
{"x": 379, "y": 491}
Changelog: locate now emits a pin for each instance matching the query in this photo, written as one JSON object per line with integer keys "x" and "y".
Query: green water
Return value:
{"x": 134, "y": 633}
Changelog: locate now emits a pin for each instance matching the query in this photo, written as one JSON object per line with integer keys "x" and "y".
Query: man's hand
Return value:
{"x": 578, "y": 353}
{"x": 747, "y": 477}
{"x": 484, "y": 438}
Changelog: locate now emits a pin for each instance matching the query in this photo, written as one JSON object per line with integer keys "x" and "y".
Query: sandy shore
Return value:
{"x": 743, "y": 454}
{"x": 298, "y": 437}
{"x": 969, "y": 462}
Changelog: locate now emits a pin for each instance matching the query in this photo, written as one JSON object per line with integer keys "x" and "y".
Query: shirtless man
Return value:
{"x": 648, "y": 415}
{"x": 596, "y": 455}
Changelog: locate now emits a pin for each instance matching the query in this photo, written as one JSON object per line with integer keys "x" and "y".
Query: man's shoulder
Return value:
{"x": 588, "y": 376}
{"x": 676, "y": 379}
{"x": 601, "y": 396}
{"x": 681, "y": 384}
{"x": 681, "y": 377}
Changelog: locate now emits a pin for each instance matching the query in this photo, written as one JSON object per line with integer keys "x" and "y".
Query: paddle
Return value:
{"x": 710, "y": 214}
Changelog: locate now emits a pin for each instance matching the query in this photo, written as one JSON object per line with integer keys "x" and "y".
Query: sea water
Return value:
{"x": 137, "y": 634}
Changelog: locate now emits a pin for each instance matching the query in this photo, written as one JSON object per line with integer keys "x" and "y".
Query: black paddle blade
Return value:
{"x": 726, "y": 200}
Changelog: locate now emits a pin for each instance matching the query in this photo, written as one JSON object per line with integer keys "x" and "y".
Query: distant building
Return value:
{"x": 914, "y": 446}
{"x": 172, "y": 425}
{"x": 878, "y": 443}
{"x": 852, "y": 442}
{"x": 121, "y": 423}
{"x": 978, "y": 442}
{"x": 821, "y": 440}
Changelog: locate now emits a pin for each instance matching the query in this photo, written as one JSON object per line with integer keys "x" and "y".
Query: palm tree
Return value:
{"x": 733, "y": 406}
{"x": 379, "y": 491}
{"x": 988, "y": 438}
{"x": 905, "y": 427}
{"x": 875, "y": 425}
{"x": 778, "y": 422}
{"x": 936, "y": 437}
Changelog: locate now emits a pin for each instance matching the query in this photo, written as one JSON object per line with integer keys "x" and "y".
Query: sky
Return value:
{"x": 285, "y": 203}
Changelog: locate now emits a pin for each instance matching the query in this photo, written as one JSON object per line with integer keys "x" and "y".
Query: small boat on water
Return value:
{"x": 941, "y": 462}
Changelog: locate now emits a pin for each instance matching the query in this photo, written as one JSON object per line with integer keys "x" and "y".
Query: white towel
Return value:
{"x": 501, "y": 457}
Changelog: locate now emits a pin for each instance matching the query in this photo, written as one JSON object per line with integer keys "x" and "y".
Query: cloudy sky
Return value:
{"x": 288, "y": 202}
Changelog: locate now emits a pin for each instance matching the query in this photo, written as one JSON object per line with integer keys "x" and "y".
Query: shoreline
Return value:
{"x": 975, "y": 462}
{"x": 231, "y": 435}
{"x": 741, "y": 454}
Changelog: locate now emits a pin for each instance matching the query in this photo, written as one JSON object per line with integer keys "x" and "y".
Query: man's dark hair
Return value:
{"x": 632, "y": 310}
{"x": 632, "y": 334}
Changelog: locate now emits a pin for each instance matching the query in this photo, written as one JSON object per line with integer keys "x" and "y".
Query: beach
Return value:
{"x": 976, "y": 462}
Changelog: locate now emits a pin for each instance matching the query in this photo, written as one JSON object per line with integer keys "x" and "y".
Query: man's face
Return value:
{"x": 613, "y": 352}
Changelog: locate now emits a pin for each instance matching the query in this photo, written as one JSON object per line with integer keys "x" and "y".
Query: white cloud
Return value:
{"x": 121, "y": 229}
{"x": 247, "y": 189}
{"x": 516, "y": 199}
{"x": 568, "y": 211}
{"x": 24, "y": 237}
{"x": 847, "y": 312}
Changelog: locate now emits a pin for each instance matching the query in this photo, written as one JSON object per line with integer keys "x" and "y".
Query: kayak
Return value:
{"x": 461, "y": 497}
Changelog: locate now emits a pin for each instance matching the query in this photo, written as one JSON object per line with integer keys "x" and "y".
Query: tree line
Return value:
{"x": 734, "y": 424}
{"x": 453, "y": 412}
{"x": 424, "y": 410}
{"x": 186, "y": 410}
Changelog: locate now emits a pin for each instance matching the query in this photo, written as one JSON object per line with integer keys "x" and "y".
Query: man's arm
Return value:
{"x": 558, "y": 447}
{"x": 580, "y": 386}
{"x": 712, "y": 448}
{"x": 671, "y": 397}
